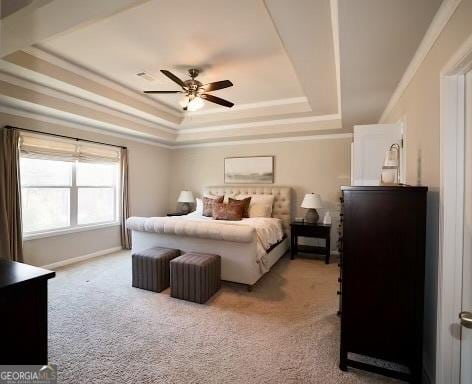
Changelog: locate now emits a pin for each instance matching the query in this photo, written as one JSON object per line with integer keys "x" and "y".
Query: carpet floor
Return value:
{"x": 286, "y": 331}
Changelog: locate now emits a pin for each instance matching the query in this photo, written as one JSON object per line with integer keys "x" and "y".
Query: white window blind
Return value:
{"x": 67, "y": 183}
{"x": 43, "y": 147}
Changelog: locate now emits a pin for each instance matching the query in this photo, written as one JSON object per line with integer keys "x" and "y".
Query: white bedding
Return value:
{"x": 268, "y": 231}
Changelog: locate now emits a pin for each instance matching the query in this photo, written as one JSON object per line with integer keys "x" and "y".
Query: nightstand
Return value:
{"x": 320, "y": 231}
{"x": 177, "y": 214}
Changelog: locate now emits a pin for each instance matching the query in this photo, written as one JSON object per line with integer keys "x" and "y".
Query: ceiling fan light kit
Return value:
{"x": 195, "y": 92}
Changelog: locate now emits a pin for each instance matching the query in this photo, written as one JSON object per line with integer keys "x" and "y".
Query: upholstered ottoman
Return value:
{"x": 195, "y": 276}
{"x": 151, "y": 268}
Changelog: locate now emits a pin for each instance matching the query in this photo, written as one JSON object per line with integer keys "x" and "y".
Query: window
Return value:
{"x": 62, "y": 192}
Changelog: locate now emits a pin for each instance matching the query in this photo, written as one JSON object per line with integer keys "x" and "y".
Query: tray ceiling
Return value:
{"x": 286, "y": 62}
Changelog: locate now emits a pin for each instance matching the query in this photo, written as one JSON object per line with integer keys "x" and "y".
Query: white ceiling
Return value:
{"x": 229, "y": 39}
{"x": 378, "y": 39}
{"x": 301, "y": 67}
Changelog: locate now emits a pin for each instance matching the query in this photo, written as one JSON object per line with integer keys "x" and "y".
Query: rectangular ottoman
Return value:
{"x": 195, "y": 276}
{"x": 151, "y": 268}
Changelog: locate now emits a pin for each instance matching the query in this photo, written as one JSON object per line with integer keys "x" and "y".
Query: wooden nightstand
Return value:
{"x": 177, "y": 214}
{"x": 320, "y": 231}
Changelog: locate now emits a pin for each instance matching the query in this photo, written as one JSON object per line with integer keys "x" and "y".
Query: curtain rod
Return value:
{"x": 63, "y": 136}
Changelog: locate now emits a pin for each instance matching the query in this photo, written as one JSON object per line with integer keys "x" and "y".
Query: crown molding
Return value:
{"x": 440, "y": 20}
{"x": 334, "y": 136}
{"x": 263, "y": 123}
{"x": 90, "y": 128}
{"x": 82, "y": 126}
{"x": 268, "y": 121}
{"x": 243, "y": 107}
{"x": 41, "y": 89}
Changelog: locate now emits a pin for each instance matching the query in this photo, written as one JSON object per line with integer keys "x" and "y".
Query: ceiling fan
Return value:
{"x": 195, "y": 92}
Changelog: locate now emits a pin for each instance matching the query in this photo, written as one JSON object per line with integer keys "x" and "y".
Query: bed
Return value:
{"x": 248, "y": 249}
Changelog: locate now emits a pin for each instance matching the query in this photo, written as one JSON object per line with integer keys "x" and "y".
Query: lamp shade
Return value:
{"x": 311, "y": 200}
{"x": 185, "y": 197}
{"x": 392, "y": 158}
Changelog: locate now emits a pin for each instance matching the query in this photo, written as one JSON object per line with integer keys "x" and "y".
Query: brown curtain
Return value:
{"x": 11, "y": 241}
{"x": 125, "y": 233}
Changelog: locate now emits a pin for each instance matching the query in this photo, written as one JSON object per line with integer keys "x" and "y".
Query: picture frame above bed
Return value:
{"x": 249, "y": 170}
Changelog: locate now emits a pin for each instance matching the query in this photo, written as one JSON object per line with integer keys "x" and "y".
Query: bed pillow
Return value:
{"x": 208, "y": 204}
{"x": 233, "y": 212}
{"x": 260, "y": 210}
{"x": 199, "y": 206}
{"x": 259, "y": 199}
{"x": 245, "y": 203}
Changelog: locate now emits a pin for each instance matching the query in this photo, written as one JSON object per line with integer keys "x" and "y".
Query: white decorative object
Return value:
{"x": 327, "y": 218}
{"x": 311, "y": 201}
{"x": 185, "y": 198}
{"x": 391, "y": 167}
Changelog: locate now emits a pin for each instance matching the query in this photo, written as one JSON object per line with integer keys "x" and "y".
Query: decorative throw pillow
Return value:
{"x": 260, "y": 210}
{"x": 245, "y": 202}
{"x": 259, "y": 199}
{"x": 233, "y": 212}
{"x": 208, "y": 204}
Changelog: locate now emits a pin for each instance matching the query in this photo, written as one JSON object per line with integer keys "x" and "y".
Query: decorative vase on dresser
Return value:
{"x": 382, "y": 279}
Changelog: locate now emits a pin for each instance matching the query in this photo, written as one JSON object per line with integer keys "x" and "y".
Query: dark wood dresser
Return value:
{"x": 23, "y": 313}
{"x": 382, "y": 279}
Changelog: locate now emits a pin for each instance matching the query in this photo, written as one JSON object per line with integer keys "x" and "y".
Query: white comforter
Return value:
{"x": 268, "y": 231}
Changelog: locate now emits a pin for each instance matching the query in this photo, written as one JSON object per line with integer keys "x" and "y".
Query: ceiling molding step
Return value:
{"x": 44, "y": 90}
{"x": 263, "y": 123}
{"x": 83, "y": 127}
{"x": 334, "y": 136}
{"x": 99, "y": 130}
{"x": 310, "y": 18}
{"x": 40, "y": 53}
{"x": 444, "y": 13}
{"x": 21, "y": 98}
{"x": 243, "y": 107}
{"x": 48, "y": 70}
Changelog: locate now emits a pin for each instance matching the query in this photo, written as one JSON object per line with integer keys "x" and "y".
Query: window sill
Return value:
{"x": 67, "y": 231}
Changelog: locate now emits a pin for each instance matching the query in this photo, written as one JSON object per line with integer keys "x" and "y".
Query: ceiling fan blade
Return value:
{"x": 174, "y": 78}
{"x": 162, "y": 92}
{"x": 217, "y": 100}
{"x": 217, "y": 85}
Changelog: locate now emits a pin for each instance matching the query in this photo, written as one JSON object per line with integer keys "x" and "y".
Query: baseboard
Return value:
{"x": 77, "y": 259}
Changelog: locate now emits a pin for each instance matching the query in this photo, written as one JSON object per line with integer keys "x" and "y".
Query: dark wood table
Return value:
{"x": 303, "y": 229}
{"x": 23, "y": 313}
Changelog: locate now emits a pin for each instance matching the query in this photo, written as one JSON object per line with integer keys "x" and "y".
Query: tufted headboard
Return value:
{"x": 282, "y": 208}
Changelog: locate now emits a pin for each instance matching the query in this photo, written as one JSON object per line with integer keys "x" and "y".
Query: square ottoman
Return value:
{"x": 195, "y": 276}
{"x": 151, "y": 268}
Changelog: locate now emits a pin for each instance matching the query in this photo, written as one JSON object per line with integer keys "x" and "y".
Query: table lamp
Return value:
{"x": 186, "y": 197}
{"x": 391, "y": 166}
{"x": 312, "y": 201}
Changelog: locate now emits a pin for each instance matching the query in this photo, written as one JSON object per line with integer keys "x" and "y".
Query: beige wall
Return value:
{"x": 420, "y": 105}
{"x": 148, "y": 179}
{"x": 320, "y": 166}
